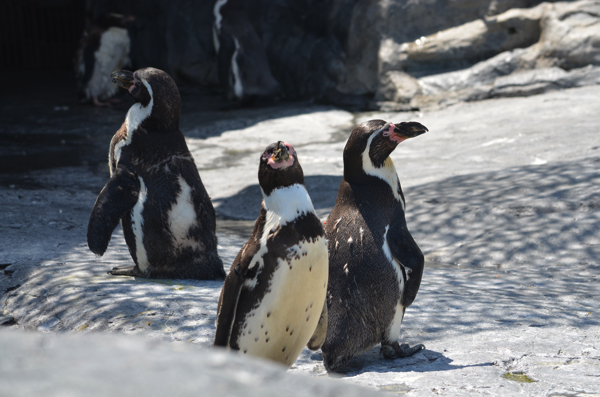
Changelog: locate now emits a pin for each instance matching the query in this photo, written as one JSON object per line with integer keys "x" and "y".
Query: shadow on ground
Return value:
{"x": 246, "y": 203}
{"x": 43, "y": 125}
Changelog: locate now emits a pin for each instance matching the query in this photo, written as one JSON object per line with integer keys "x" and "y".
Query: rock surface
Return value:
{"x": 347, "y": 52}
{"x": 501, "y": 196}
{"x": 103, "y": 365}
{"x": 548, "y": 47}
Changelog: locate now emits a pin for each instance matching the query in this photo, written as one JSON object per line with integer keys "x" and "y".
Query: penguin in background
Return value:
{"x": 375, "y": 266}
{"x": 103, "y": 48}
{"x": 155, "y": 190}
{"x": 273, "y": 300}
{"x": 244, "y": 70}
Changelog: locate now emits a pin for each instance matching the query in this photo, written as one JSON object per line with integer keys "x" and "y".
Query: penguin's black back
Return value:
{"x": 170, "y": 225}
{"x": 375, "y": 266}
{"x": 159, "y": 159}
{"x": 371, "y": 282}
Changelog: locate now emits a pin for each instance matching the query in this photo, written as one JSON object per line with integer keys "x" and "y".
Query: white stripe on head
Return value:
{"x": 387, "y": 172}
{"x": 135, "y": 116}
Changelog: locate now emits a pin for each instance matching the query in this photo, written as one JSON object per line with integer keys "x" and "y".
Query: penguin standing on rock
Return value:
{"x": 375, "y": 266}
{"x": 155, "y": 189}
{"x": 273, "y": 301}
{"x": 244, "y": 69}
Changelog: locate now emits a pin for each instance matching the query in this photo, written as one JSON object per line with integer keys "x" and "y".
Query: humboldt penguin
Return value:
{"x": 244, "y": 70}
{"x": 375, "y": 266}
{"x": 155, "y": 189}
{"x": 273, "y": 300}
{"x": 103, "y": 48}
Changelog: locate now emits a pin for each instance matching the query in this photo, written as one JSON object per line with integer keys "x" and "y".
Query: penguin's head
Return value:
{"x": 371, "y": 143}
{"x": 279, "y": 167}
{"x": 155, "y": 91}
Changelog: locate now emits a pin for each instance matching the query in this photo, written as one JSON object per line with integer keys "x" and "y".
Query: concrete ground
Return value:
{"x": 502, "y": 196}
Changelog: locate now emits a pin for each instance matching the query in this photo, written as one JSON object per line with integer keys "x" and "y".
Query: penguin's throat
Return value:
{"x": 385, "y": 172}
{"x": 288, "y": 203}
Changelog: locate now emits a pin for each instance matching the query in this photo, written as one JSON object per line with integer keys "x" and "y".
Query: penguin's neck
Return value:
{"x": 138, "y": 113}
{"x": 285, "y": 204}
{"x": 386, "y": 172}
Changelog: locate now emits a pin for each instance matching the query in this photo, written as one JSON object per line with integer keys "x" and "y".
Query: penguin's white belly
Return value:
{"x": 289, "y": 312}
{"x": 182, "y": 216}
{"x": 393, "y": 332}
{"x": 137, "y": 227}
{"x": 112, "y": 55}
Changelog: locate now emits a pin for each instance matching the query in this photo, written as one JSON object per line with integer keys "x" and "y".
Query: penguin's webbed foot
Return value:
{"x": 99, "y": 103}
{"x": 126, "y": 271}
{"x": 395, "y": 350}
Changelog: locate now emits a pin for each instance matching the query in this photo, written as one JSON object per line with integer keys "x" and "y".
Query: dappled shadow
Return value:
{"x": 543, "y": 215}
{"x": 74, "y": 293}
{"x": 517, "y": 248}
{"x": 514, "y": 249}
{"x": 50, "y": 281}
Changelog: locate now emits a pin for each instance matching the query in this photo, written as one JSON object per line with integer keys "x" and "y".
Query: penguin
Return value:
{"x": 244, "y": 70}
{"x": 273, "y": 300}
{"x": 103, "y": 48}
{"x": 375, "y": 266}
{"x": 155, "y": 190}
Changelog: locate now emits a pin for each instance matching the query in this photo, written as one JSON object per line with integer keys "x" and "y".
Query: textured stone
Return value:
{"x": 464, "y": 45}
{"x": 396, "y": 86}
{"x": 116, "y": 365}
{"x": 339, "y": 51}
{"x": 568, "y": 39}
{"x": 571, "y": 34}
{"x": 501, "y": 196}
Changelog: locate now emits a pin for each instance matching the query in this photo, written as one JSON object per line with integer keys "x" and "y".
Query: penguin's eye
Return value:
{"x": 266, "y": 155}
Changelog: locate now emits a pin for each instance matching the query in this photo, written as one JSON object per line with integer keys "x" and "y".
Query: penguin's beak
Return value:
{"x": 122, "y": 78}
{"x": 281, "y": 153}
{"x": 409, "y": 129}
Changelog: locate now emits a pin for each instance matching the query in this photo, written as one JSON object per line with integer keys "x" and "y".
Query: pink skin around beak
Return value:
{"x": 133, "y": 85}
{"x": 282, "y": 164}
{"x": 392, "y": 136}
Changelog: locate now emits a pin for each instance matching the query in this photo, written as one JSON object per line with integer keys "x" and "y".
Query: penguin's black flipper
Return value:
{"x": 117, "y": 197}
{"x": 230, "y": 295}
{"x": 240, "y": 271}
{"x": 405, "y": 250}
{"x": 228, "y": 305}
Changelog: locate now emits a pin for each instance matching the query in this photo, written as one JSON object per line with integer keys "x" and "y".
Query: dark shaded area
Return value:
{"x": 246, "y": 203}
{"x": 39, "y": 34}
{"x": 303, "y": 41}
{"x": 42, "y": 124}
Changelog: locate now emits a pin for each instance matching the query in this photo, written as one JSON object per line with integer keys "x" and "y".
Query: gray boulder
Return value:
{"x": 565, "y": 54}
{"x": 571, "y": 34}
{"x": 464, "y": 45}
{"x": 117, "y": 365}
{"x": 397, "y": 86}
